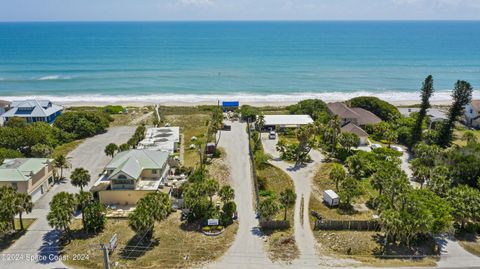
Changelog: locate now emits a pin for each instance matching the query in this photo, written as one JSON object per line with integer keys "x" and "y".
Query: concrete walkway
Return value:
{"x": 38, "y": 248}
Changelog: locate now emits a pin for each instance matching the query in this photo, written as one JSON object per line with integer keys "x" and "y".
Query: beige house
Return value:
{"x": 33, "y": 176}
{"x": 132, "y": 174}
{"x": 354, "y": 129}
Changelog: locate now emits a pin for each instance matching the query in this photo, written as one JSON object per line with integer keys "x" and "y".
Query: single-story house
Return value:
{"x": 355, "y": 115}
{"x": 230, "y": 105}
{"x": 164, "y": 139}
{"x": 272, "y": 122}
{"x": 354, "y": 129}
{"x": 132, "y": 174}
{"x": 434, "y": 114}
{"x": 33, "y": 111}
{"x": 33, "y": 176}
{"x": 472, "y": 113}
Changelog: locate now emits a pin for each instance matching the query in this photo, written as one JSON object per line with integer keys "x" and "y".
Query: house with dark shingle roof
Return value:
{"x": 33, "y": 111}
{"x": 353, "y": 119}
{"x": 132, "y": 174}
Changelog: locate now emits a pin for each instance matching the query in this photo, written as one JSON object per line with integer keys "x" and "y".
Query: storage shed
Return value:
{"x": 331, "y": 198}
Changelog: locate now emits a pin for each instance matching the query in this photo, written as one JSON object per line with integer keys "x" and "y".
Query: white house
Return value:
{"x": 164, "y": 139}
{"x": 472, "y": 114}
{"x": 286, "y": 121}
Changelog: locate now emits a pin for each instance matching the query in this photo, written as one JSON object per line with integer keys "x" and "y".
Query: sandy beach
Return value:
{"x": 252, "y": 103}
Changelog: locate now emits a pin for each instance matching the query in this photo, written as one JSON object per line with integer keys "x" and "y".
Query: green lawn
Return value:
{"x": 174, "y": 246}
{"x": 7, "y": 241}
{"x": 281, "y": 244}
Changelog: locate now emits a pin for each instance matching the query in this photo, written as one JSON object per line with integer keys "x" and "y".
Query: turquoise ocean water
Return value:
{"x": 262, "y": 61}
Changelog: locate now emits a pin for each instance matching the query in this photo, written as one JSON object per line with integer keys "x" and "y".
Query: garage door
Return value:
{"x": 36, "y": 194}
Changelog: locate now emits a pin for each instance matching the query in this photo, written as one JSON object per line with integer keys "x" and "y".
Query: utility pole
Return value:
{"x": 106, "y": 258}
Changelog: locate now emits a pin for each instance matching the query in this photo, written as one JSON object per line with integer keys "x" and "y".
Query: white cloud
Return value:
{"x": 196, "y": 2}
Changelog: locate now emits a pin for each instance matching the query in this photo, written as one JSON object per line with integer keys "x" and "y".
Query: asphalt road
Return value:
{"x": 38, "y": 247}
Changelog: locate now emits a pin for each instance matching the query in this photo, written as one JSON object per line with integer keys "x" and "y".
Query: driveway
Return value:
{"x": 38, "y": 247}
{"x": 247, "y": 251}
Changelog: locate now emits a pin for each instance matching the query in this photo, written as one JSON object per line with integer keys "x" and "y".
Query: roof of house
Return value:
{"x": 4, "y": 103}
{"x": 32, "y": 108}
{"x": 365, "y": 116}
{"x": 362, "y": 116}
{"x": 342, "y": 110}
{"x": 476, "y": 104}
{"x": 21, "y": 169}
{"x": 433, "y": 113}
{"x": 287, "y": 119}
{"x": 352, "y": 128}
{"x": 133, "y": 162}
{"x": 163, "y": 138}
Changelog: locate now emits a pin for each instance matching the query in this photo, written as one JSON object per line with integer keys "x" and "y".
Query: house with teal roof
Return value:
{"x": 131, "y": 174}
{"x": 33, "y": 176}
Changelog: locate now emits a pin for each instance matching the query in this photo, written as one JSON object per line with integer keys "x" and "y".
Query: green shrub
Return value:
{"x": 382, "y": 109}
{"x": 206, "y": 228}
{"x": 83, "y": 123}
{"x": 110, "y": 109}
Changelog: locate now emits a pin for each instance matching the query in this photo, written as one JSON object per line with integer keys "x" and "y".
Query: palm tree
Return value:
{"x": 24, "y": 205}
{"x": 337, "y": 174}
{"x": 226, "y": 193}
{"x": 390, "y": 137}
{"x": 287, "y": 199}
{"x": 61, "y": 162}
{"x": 110, "y": 149}
{"x": 62, "y": 208}
{"x": 8, "y": 205}
{"x": 211, "y": 188}
{"x": 83, "y": 200}
{"x": 268, "y": 208}
{"x": 123, "y": 147}
{"x": 80, "y": 178}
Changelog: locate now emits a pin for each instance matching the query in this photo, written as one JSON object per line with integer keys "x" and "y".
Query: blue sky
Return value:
{"x": 127, "y": 10}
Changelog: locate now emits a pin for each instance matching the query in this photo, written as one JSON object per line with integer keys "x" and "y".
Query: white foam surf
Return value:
{"x": 392, "y": 96}
{"x": 54, "y": 77}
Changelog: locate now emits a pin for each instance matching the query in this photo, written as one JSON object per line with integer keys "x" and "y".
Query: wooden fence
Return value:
{"x": 355, "y": 225}
{"x": 275, "y": 224}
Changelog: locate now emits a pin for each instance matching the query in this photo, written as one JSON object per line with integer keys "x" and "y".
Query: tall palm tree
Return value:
{"x": 61, "y": 162}
{"x": 23, "y": 205}
{"x": 80, "y": 178}
{"x": 287, "y": 199}
{"x": 110, "y": 149}
{"x": 62, "y": 208}
{"x": 83, "y": 200}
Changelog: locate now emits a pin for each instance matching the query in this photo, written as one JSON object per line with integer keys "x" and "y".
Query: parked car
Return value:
{"x": 397, "y": 148}
{"x": 375, "y": 146}
{"x": 272, "y": 135}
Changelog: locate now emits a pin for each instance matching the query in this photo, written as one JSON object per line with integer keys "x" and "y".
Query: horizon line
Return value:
{"x": 242, "y": 20}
